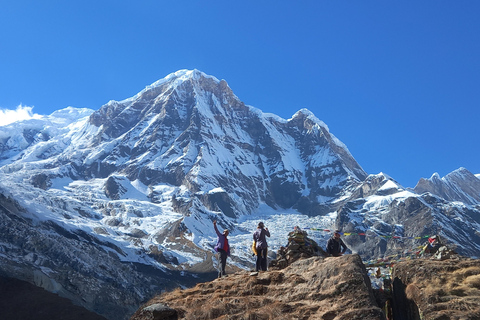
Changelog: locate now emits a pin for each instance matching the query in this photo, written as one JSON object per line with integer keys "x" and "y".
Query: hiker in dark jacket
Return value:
{"x": 222, "y": 248}
{"x": 261, "y": 246}
{"x": 335, "y": 244}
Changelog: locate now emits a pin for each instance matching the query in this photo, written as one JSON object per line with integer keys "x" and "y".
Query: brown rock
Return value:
{"x": 313, "y": 288}
{"x": 448, "y": 289}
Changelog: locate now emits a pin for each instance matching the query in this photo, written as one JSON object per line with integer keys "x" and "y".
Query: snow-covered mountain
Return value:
{"x": 459, "y": 185}
{"x": 94, "y": 203}
{"x": 397, "y": 220}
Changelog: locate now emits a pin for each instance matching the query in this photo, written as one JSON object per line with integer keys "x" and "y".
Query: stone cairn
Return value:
{"x": 299, "y": 246}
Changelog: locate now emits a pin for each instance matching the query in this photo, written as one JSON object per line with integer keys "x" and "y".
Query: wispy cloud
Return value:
{"x": 8, "y": 116}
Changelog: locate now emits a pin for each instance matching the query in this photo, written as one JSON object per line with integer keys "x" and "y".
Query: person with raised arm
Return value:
{"x": 223, "y": 248}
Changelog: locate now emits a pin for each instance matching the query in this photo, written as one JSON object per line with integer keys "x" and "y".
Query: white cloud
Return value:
{"x": 8, "y": 116}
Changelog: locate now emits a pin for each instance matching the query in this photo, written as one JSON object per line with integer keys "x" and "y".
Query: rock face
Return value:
{"x": 314, "y": 288}
{"x": 189, "y": 130}
{"x": 433, "y": 289}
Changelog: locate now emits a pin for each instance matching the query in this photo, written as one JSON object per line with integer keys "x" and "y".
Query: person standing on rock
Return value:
{"x": 259, "y": 236}
{"x": 335, "y": 245}
{"x": 222, "y": 248}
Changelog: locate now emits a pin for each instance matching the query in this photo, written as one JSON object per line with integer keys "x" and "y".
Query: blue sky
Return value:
{"x": 397, "y": 81}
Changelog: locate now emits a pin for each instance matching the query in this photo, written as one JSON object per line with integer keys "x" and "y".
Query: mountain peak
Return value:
{"x": 461, "y": 172}
{"x": 186, "y": 74}
{"x": 305, "y": 113}
{"x": 458, "y": 185}
{"x": 174, "y": 78}
{"x": 435, "y": 177}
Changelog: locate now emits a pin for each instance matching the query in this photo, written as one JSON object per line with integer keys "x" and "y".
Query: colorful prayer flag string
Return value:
{"x": 368, "y": 235}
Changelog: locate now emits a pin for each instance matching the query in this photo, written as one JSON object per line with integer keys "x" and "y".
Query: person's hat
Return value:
{"x": 261, "y": 225}
{"x": 337, "y": 231}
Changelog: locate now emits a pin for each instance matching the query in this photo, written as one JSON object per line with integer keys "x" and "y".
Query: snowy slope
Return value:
{"x": 183, "y": 149}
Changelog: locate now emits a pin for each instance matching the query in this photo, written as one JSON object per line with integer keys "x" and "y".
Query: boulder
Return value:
{"x": 159, "y": 311}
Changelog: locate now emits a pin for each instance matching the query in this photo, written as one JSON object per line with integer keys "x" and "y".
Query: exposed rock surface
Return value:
{"x": 430, "y": 289}
{"x": 302, "y": 284}
{"x": 313, "y": 288}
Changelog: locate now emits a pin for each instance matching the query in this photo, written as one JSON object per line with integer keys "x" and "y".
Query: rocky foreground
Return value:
{"x": 330, "y": 289}
{"x": 313, "y": 288}
{"x": 437, "y": 290}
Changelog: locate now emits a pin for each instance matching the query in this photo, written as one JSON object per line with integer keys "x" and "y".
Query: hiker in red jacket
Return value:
{"x": 261, "y": 246}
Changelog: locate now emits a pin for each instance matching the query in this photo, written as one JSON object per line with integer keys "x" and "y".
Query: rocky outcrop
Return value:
{"x": 433, "y": 290}
{"x": 113, "y": 189}
{"x": 331, "y": 288}
{"x": 313, "y": 288}
{"x": 158, "y": 311}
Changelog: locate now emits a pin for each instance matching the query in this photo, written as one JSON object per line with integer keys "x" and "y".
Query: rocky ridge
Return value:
{"x": 459, "y": 185}
{"x": 313, "y": 288}
{"x": 430, "y": 289}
